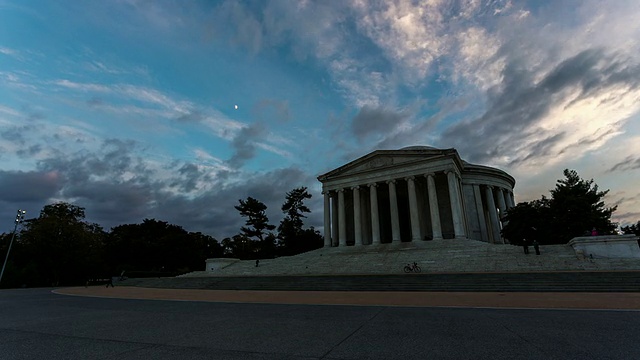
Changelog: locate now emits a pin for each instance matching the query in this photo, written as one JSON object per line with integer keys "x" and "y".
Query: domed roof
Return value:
{"x": 419, "y": 148}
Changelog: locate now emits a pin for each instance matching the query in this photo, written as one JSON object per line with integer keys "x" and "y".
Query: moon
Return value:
{"x": 235, "y": 107}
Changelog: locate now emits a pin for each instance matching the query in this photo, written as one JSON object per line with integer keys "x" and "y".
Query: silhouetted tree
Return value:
{"x": 257, "y": 221}
{"x": 632, "y": 229}
{"x": 293, "y": 239}
{"x": 528, "y": 220}
{"x": 575, "y": 207}
{"x": 157, "y": 246}
{"x": 61, "y": 248}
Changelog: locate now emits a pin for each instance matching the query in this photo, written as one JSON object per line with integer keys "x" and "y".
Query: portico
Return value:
{"x": 413, "y": 194}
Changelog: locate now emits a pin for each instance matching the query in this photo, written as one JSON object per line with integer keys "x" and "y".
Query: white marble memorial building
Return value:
{"x": 413, "y": 194}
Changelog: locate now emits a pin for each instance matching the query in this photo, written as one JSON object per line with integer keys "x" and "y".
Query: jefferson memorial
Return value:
{"x": 416, "y": 193}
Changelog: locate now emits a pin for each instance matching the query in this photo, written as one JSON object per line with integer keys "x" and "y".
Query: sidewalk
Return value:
{"x": 528, "y": 300}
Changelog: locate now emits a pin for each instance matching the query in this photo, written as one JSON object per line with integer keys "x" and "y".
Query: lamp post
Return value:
{"x": 19, "y": 219}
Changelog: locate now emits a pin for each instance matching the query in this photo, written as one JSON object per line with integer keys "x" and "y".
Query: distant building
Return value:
{"x": 413, "y": 194}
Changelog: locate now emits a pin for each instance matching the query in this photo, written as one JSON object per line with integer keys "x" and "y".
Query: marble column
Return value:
{"x": 393, "y": 202}
{"x": 493, "y": 216}
{"x": 334, "y": 219}
{"x": 480, "y": 210}
{"x": 436, "y": 227}
{"x": 357, "y": 219}
{"x": 501, "y": 204}
{"x": 342, "y": 220}
{"x": 375, "y": 217}
{"x": 327, "y": 219}
{"x": 510, "y": 200}
{"x": 456, "y": 205}
{"x": 413, "y": 209}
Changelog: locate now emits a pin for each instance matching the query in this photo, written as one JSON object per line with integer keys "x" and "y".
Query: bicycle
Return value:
{"x": 412, "y": 268}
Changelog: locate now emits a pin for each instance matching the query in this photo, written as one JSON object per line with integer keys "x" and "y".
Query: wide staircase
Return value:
{"x": 447, "y": 265}
{"x": 443, "y": 256}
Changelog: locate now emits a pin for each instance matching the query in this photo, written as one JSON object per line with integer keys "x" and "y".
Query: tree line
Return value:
{"x": 60, "y": 248}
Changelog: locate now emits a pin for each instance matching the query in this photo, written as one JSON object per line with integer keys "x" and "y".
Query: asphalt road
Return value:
{"x": 36, "y": 324}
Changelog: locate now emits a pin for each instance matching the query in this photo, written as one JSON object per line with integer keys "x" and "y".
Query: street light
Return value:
{"x": 19, "y": 219}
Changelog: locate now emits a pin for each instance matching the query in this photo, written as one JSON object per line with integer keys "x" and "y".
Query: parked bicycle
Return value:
{"x": 412, "y": 268}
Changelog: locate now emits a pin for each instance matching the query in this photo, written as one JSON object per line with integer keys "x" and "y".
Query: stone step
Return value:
{"x": 433, "y": 256}
{"x": 495, "y": 282}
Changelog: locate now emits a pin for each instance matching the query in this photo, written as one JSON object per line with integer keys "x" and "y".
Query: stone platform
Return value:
{"x": 443, "y": 256}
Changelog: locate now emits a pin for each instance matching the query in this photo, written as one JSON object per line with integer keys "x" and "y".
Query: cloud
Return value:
{"x": 244, "y": 144}
{"x": 630, "y": 163}
{"x": 128, "y": 99}
{"x": 28, "y": 186}
{"x": 117, "y": 185}
{"x": 537, "y": 120}
{"x": 376, "y": 122}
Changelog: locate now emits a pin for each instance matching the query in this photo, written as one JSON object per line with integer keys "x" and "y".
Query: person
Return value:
{"x": 594, "y": 232}
{"x": 536, "y": 246}
{"x": 525, "y": 246}
{"x": 257, "y": 262}
{"x": 110, "y": 282}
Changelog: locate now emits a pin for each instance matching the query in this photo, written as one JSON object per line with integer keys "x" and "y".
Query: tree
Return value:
{"x": 257, "y": 221}
{"x": 631, "y": 229}
{"x": 159, "y": 247}
{"x": 294, "y": 207}
{"x": 575, "y": 207}
{"x": 59, "y": 247}
{"x": 528, "y": 220}
{"x": 292, "y": 237}
{"x": 257, "y": 229}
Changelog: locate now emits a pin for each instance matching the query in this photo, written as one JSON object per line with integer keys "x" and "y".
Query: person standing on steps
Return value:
{"x": 525, "y": 246}
{"x": 536, "y": 246}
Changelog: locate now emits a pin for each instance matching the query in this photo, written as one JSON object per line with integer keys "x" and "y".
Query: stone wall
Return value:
{"x": 607, "y": 246}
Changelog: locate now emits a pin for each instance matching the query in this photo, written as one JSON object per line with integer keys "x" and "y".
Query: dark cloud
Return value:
{"x": 19, "y": 186}
{"x": 214, "y": 213}
{"x": 631, "y": 162}
{"x": 191, "y": 176}
{"x": 521, "y": 103}
{"x": 29, "y": 151}
{"x": 376, "y": 121}
{"x": 244, "y": 144}
{"x": 17, "y": 134}
{"x": 116, "y": 186}
{"x": 541, "y": 148}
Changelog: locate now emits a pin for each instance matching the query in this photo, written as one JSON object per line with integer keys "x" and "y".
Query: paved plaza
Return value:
{"x": 524, "y": 300}
{"x": 211, "y": 320}
{"x": 39, "y": 324}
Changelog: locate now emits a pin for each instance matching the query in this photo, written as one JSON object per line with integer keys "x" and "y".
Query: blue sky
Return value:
{"x": 128, "y": 108}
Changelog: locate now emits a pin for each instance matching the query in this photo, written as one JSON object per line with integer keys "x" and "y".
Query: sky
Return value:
{"x": 175, "y": 110}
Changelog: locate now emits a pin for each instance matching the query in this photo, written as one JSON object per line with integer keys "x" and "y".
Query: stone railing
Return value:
{"x": 607, "y": 246}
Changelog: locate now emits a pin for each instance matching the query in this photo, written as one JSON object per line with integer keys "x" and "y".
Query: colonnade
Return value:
{"x": 365, "y": 224}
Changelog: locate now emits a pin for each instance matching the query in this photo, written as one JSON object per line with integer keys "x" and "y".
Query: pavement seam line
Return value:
{"x": 352, "y": 333}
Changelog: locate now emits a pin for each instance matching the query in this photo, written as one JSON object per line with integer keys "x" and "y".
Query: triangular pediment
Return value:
{"x": 381, "y": 159}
